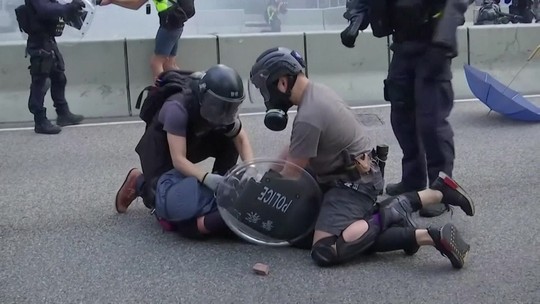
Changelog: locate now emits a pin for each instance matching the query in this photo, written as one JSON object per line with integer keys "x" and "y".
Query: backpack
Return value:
{"x": 177, "y": 14}
{"x": 167, "y": 84}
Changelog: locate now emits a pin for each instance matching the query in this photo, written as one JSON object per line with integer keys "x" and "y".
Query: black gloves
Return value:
{"x": 75, "y": 7}
{"x": 350, "y": 33}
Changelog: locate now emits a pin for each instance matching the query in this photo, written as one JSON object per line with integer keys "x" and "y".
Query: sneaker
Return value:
{"x": 128, "y": 191}
{"x": 453, "y": 194}
{"x": 450, "y": 244}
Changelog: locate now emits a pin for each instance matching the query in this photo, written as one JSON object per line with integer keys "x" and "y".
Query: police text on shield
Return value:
{"x": 274, "y": 199}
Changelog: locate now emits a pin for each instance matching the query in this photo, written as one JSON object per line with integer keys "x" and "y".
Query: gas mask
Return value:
{"x": 277, "y": 103}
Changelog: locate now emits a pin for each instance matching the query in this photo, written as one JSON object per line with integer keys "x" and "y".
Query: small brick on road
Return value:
{"x": 261, "y": 269}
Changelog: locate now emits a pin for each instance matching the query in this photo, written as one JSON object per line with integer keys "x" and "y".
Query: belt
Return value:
{"x": 352, "y": 172}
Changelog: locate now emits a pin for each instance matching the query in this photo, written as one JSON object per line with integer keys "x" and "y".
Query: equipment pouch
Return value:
{"x": 398, "y": 94}
{"x": 41, "y": 63}
{"x": 363, "y": 163}
{"x": 380, "y": 19}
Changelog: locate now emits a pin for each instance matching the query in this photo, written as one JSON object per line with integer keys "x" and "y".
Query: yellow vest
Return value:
{"x": 162, "y": 5}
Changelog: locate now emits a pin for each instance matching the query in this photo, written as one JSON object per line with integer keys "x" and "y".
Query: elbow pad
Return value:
{"x": 452, "y": 17}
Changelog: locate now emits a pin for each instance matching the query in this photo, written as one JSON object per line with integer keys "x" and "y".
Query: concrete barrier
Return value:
{"x": 356, "y": 74}
{"x": 333, "y": 19}
{"x": 96, "y": 85}
{"x": 240, "y": 52}
{"x": 459, "y": 83}
{"x": 503, "y": 50}
{"x": 302, "y": 20}
{"x": 97, "y": 81}
{"x": 195, "y": 53}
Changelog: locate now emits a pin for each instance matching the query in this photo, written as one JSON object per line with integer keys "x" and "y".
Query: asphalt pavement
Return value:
{"x": 61, "y": 240}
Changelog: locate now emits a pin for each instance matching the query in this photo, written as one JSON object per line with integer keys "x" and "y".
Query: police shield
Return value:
{"x": 77, "y": 26}
{"x": 263, "y": 207}
{"x": 72, "y": 27}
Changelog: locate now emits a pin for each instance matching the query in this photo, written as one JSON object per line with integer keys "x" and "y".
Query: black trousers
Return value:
{"x": 47, "y": 70}
{"x": 420, "y": 106}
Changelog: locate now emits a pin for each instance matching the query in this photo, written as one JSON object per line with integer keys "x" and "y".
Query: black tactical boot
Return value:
{"x": 453, "y": 194}
{"x": 42, "y": 125}
{"x": 66, "y": 118}
{"x": 450, "y": 244}
{"x": 398, "y": 212}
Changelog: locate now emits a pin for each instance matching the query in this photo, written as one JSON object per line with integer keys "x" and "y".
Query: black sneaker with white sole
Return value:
{"x": 450, "y": 244}
{"x": 453, "y": 193}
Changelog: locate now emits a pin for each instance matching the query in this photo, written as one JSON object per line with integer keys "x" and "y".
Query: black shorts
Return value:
{"x": 341, "y": 207}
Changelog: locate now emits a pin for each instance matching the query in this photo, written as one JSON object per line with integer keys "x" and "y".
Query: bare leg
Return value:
{"x": 170, "y": 64}
{"x": 157, "y": 63}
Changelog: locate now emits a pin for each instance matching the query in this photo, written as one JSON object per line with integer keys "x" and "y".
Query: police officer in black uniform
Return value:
{"x": 418, "y": 85}
{"x": 43, "y": 20}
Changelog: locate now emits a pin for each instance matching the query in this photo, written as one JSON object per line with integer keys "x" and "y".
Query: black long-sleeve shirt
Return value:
{"x": 48, "y": 10}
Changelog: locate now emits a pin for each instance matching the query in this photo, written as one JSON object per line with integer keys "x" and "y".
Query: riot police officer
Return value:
{"x": 418, "y": 85}
{"x": 43, "y": 20}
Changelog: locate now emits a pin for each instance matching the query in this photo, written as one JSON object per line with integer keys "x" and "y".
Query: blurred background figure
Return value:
{"x": 490, "y": 13}
{"x": 271, "y": 16}
{"x": 524, "y": 9}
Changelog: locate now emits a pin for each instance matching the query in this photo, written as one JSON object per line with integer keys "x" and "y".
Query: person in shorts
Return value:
{"x": 329, "y": 141}
{"x": 171, "y": 26}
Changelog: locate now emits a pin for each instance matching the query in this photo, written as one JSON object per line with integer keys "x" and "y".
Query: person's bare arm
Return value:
{"x": 243, "y": 146}
{"x": 291, "y": 171}
{"x": 177, "y": 147}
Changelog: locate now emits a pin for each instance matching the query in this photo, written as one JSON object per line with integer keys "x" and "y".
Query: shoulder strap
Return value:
{"x": 139, "y": 99}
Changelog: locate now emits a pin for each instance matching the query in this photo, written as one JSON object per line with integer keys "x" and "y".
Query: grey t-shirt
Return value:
{"x": 323, "y": 127}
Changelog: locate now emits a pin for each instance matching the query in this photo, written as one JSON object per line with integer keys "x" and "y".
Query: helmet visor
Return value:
{"x": 219, "y": 111}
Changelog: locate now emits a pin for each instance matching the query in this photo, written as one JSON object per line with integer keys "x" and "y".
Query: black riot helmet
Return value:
{"x": 268, "y": 68}
{"x": 221, "y": 92}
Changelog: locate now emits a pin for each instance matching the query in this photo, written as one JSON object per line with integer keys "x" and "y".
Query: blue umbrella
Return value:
{"x": 499, "y": 97}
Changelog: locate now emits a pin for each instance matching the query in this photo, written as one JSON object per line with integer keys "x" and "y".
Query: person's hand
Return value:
{"x": 350, "y": 33}
{"x": 212, "y": 181}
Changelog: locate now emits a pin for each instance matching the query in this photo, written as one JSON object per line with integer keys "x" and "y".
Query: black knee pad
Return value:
{"x": 325, "y": 255}
{"x": 349, "y": 250}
